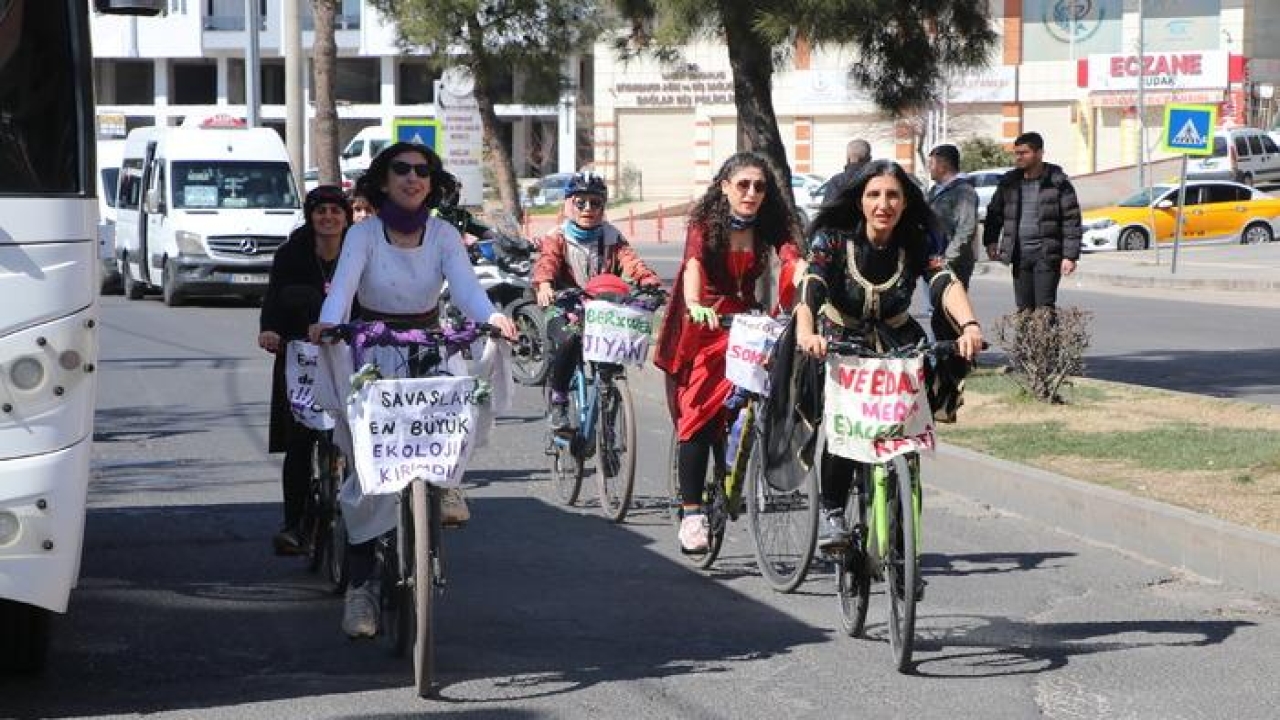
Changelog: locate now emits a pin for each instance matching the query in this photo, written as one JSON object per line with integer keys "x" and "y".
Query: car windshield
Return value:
{"x": 233, "y": 185}
{"x": 1144, "y": 198}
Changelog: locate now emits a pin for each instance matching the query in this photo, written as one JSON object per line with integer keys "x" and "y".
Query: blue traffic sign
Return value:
{"x": 423, "y": 131}
{"x": 1188, "y": 129}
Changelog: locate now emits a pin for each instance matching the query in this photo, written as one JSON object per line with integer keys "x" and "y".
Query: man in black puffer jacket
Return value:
{"x": 1033, "y": 224}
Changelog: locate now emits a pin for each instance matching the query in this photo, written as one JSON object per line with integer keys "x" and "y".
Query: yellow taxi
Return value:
{"x": 1215, "y": 210}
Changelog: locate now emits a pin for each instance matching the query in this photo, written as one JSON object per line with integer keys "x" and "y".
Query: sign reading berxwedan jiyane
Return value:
{"x": 615, "y": 333}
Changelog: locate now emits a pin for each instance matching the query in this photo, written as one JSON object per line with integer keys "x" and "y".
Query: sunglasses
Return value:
{"x": 400, "y": 167}
{"x": 744, "y": 185}
{"x": 588, "y": 203}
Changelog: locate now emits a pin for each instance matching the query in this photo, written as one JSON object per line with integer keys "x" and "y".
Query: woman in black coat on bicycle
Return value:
{"x": 300, "y": 276}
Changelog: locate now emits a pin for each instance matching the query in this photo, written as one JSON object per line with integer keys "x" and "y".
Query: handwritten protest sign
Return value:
{"x": 300, "y": 365}
{"x": 614, "y": 333}
{"x": 876, "y": 409}
{"x": 751, "y": 339}
{"x": 408, "y": 428}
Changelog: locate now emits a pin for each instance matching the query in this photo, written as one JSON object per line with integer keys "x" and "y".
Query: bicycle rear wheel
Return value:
{"x": 902, "y": 567}
{"x": 426, "y": 536}
{"x": 784, "y": 523}
{"x": 616, "y": 462}
{"x": 853, "y": 581}
{"x": 530, "y": 359}
{"x": 567, "y": 469}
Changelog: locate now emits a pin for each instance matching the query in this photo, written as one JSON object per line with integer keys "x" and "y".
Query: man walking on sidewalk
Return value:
{"x": 1033, "y": 224}
{"x": 955, "y": 202}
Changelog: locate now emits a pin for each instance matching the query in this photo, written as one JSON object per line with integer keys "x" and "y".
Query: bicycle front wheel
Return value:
{"x": 426, "y": 518}
{"x": 853, "y": 582}
{"x": 784, "y": 523}
{"x": 616, "y": 463}
{"x": 902, "y": 568}
{"x": 567, "y": 468}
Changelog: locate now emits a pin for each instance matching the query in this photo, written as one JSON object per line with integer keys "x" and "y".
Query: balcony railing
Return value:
{"x": 235, "y": 23}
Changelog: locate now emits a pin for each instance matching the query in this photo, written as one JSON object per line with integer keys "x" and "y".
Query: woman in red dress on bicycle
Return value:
{"x": 731, "y": 230}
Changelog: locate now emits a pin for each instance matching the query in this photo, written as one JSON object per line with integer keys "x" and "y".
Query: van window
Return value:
{"x": 110, "y": 177}
{"x": 377, "y": 146}
{"x": 354, "y": 149}
{"x": 1242, "y": 146}
{"x": 1219, "y": 146}
{"x": 1255, "y": 145}
{"x": 238, "y": 185}
{"x": 1269, "y": 146}
{"x": 131, "y": 183}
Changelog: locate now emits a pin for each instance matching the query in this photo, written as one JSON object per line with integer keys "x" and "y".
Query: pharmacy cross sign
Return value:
{"x": 1188, "y": 129}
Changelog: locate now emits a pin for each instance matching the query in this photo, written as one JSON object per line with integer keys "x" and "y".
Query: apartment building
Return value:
{"x": 191, "y": 61}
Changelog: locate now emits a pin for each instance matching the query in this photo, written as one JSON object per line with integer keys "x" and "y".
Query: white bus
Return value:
{"x": 48, "y": 312}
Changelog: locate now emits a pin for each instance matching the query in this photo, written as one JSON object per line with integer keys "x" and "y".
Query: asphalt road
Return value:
{"x": 552, "y": 612}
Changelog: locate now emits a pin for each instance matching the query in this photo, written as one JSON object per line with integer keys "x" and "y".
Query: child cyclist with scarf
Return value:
{"x": 583, "y": 247}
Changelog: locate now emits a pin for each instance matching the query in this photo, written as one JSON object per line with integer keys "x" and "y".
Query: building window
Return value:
{"x": 358, "y": 80}
{"x": 135, "y": 82}
{"x": 415, "y": 83}
{"x": 195, "y": 83}
{"x": 229, "y": 15}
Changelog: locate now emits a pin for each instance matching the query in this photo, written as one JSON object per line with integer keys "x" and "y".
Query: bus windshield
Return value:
{"x": 233, "y": 185}
{"x": 43, "y": 120}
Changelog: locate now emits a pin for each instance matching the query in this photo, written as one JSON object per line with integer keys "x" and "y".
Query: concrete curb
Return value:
{"x": 1166, "y": 281}
{"x": 1211, "y": 548}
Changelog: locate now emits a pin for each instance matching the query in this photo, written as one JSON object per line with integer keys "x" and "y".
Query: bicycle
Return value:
{"x": 783, "y": 521}
{"x": 409, "y": 559}
{"x": 885, "y": 546}
{"x": 602, "y": 420}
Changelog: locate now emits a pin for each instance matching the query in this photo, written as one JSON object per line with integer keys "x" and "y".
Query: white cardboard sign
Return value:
{"x": 300, "y": 365}
{"x": 751, "y": 340}
{"x": 875, "y": 409}
{"x": 613, "y": 333}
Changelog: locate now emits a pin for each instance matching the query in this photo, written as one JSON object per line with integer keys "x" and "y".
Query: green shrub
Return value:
{"x": 981, "y": 153}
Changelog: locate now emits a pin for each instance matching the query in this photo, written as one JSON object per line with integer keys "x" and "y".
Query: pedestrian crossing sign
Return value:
{"x": 423, "y": 131}
{"x": 1188, "y": 129}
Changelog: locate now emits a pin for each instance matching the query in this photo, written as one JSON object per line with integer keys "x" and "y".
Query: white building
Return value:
{"x": 1074, "y": 80}
{"x": 191, "y": 61}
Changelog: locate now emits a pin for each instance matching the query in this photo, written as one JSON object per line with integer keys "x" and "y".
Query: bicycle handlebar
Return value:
{"x": 939, "y": 349}
{"x": 379, "y": 333}
{"x": 645, "y": 297}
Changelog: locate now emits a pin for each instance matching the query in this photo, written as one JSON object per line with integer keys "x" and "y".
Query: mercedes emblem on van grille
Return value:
{"x": 249, "y": 246}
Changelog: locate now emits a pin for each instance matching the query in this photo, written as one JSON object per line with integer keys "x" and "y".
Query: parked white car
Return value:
{"x": 808, "y": 191}
{"x": 985, "y": 181}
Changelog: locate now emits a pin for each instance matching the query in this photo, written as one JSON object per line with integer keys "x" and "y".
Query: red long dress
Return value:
{"x": 693, "y": 355}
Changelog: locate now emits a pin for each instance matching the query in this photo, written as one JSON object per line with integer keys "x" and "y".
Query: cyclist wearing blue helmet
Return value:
{"x": 584, "y": 246}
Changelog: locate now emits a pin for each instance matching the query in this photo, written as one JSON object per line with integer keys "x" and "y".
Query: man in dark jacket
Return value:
{"x": 1033, "y": 224}
{"x": 955, "y": 202}
{"x": 857, "y": 154}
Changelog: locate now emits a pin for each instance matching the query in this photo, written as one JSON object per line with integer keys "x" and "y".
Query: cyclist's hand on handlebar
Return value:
{"x": 970, "y": 342}
{"x": 545, "y": 294}
{"x": 812, "y": 344}
{"x": 503, "y": 323}
{"x": 269, "y": 341}
{"x": 703, "y": 315}
{"x": 313, "y": 332}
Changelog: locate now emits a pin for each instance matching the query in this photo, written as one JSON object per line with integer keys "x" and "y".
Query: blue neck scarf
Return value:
{"x": 580, "y": 234}
{"x": 738, "y": 222}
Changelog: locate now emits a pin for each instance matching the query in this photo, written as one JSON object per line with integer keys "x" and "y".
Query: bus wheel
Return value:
{"x": 24, "y": 632}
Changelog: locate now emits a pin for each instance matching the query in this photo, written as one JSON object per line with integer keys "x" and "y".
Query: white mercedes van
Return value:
{"x": 201, "y": 210}
{"x": 110, "y": 153}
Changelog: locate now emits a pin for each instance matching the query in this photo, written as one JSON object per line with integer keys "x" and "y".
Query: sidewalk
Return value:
{"x": 1230, "y": 268}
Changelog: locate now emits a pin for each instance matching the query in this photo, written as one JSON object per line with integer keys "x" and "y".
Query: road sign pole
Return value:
{"x": 1182, "y": 209}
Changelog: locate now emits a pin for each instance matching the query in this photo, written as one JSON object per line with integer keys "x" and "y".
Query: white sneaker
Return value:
{"x": 360, "y": 613}
{"x": 453, "y": 508}
{"x": 694, "y": 534}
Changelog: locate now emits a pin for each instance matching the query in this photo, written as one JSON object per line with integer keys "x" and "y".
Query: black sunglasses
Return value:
{"x": 585, "y": 203}
{"x": 744, "y": 185}
{"x": 400, "y": 167}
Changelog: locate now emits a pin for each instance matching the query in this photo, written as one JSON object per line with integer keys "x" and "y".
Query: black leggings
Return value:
{"x": 566, "y": 350}
{"x": 837, "y": 479}
{"x": 295, "y": 476}
{"x": 692, "y": 455}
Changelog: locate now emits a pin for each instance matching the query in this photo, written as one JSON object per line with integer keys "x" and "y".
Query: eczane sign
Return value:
{"x": 1207, "y": 69}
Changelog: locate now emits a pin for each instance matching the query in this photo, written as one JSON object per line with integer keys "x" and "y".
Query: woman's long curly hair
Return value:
{"x": 917, "y": 226}
{"x": 773, "y": 220}
{"x": 371, "y": 183}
